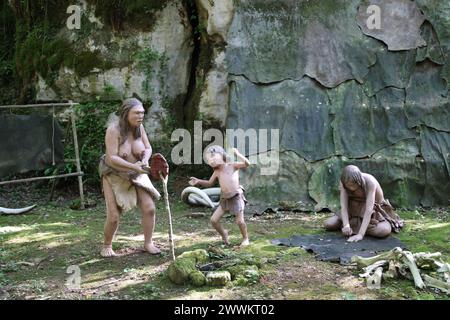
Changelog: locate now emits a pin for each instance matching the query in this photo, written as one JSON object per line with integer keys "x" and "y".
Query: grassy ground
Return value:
{"x": 37, "y": 248}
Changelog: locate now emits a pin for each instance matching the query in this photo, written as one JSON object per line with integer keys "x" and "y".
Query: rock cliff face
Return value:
{"x": 342, "y": 93}
{"x": 339, "y": 91}
{"x": 151, "y": 61}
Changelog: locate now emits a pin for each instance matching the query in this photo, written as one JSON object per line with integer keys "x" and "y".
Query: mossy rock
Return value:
{"x": 252, "y": 260}
{"x": 238, "y": 270}
{"x": 199, "y": 255}
{"x": 179, "y": 270}
{"x": 217, "y": 252}
{"x": 197, "y": 278}
{"x": 218, "y": 278}
{"x": 247, "y": 277}
{"x": 241, "y": 281}
{"x": 252, "y": 274}
{"x": 250, "y": 277}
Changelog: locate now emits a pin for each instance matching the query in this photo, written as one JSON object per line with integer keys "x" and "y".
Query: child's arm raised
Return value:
{"x": 203, "y": 183}
{"x": 245, "y": 162}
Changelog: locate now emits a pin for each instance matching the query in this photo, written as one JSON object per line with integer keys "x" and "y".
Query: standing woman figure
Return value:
{"x": 125, "y": 182}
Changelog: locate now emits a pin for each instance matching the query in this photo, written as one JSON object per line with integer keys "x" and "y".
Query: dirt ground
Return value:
{"x": 37, "y": 250}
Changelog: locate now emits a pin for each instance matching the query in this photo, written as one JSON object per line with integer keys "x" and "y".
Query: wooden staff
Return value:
{"x": 166, "y": 197}
{"x": 159, "y": 169}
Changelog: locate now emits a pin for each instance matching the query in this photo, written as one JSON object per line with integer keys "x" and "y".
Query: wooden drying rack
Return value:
{"x": 79, "y": 173}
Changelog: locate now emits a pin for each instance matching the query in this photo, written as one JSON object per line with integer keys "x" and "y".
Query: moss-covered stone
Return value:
{"x": 199, "y": 255}
{"x": 218, "y": 278}
{"x": 197, "y": 278}
{"x": 241, "y": 281}
{"x": 237, "y": 270}
{"x": 249, "y": 276}
{"x": 179, "y": 270}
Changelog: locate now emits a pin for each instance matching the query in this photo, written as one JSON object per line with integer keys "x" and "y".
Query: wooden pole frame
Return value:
{"x": 79, "y": 173}
{"x": 77, "y": 157}
{"x": 75, "y": 174}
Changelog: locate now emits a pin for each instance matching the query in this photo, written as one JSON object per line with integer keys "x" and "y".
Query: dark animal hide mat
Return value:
{"x": 333, "y": 247}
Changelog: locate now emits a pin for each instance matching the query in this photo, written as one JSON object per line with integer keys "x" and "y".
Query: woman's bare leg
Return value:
{"x": 148, "y": 212}
{"x": 333, "y": 224}
{"x": 112, "y": 219}
{"x": 382, "y": 230}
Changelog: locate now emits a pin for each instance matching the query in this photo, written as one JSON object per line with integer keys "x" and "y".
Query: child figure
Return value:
{"x": 232, "y": 195}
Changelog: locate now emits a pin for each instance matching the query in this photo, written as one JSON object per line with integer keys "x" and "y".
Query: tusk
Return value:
{"x": 197, "y": 191}
{"x": 15, "y": 211}
{"x": 212, "y": 191}
{"x": 196, "y": 200}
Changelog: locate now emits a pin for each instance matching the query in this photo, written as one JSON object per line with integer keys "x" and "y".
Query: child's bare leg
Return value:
{"x": 215, "y": 221}
{"x": 243, "y": 228}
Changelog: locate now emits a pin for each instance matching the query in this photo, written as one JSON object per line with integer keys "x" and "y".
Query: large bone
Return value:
{"x": 408, "y": 259}
{"x": 392, "y": 271}
{"x": 374, "y": 281}
{"x": 435, "y": 283}
{"x": 445, "y": 270}
{"x": 389, "y": 255}
{"x": 427, "y": 260}
{"x": 370, "y": 269}
{"x": 7, "y": 211}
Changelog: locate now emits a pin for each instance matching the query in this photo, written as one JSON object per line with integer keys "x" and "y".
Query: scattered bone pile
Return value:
{"x": 426, "y": 269}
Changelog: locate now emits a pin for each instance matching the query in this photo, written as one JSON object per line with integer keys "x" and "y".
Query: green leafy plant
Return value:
{"x": 146, "y": 61}
{"x": 151, "y": 290}
{"x": 91, "y": 126}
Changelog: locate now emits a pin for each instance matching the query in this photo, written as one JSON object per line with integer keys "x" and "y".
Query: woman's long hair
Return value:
{"x": 352, "y": 173}
{"x": 124, "y": 125}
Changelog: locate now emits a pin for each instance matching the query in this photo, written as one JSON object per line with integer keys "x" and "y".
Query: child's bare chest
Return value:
{"x": 228, "y": 173}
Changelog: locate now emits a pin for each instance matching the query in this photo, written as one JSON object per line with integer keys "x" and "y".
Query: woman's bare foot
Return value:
{"x": 107, "y": 251}
{"x": 225, "y": 238}
{"x": 245, "y": 242}
{"x": 151, "y": 248}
